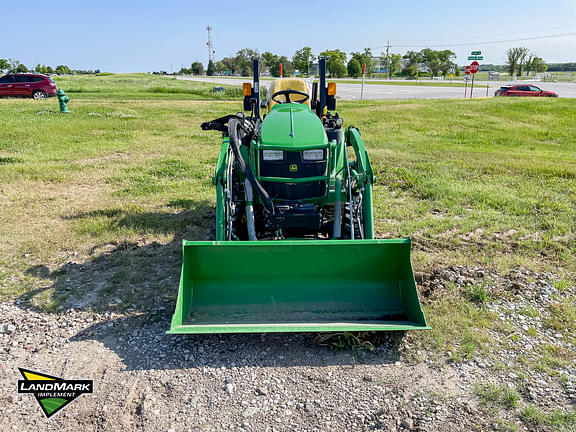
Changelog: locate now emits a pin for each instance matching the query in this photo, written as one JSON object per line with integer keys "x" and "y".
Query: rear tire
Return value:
{"x": 39, "y": 95}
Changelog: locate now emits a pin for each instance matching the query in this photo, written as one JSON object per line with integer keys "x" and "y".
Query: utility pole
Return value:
{"x": 388, "y": 59}
{"x": 211, "y": 51}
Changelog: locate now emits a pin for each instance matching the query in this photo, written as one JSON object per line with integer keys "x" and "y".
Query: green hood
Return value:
{"x": 292, "y": 126}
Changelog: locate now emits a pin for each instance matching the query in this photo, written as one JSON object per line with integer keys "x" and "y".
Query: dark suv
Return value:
{"x": 27, "y": 85}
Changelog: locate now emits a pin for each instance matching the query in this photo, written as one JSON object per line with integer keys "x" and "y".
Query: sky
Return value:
{"x": 146, "y": 36}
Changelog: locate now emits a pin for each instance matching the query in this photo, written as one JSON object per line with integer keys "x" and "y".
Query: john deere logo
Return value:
{"x": 52, "y": 393}
{"x": 293, "y": 167}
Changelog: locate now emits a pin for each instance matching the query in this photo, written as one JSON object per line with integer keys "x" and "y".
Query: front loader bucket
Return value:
{"x": 297, "y": 286}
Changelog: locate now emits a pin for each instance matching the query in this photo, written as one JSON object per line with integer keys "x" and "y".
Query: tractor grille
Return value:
{"x": 295, "y": 191}
{"x": 282, "y": 168}
{"x": 285, "y": 169}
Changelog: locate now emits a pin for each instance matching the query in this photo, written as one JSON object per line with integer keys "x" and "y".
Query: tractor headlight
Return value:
{"x": 313, "y": 155}
{"x": 272, "y": 155}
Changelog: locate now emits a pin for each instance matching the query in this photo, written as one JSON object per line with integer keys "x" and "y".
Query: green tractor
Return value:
{"x": 295, "y": 248}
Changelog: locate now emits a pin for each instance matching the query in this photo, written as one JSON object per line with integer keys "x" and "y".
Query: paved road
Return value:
{"x": 349, "y": 91}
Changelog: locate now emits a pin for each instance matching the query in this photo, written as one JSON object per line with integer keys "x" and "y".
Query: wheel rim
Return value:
{"x": 39, "y": 95}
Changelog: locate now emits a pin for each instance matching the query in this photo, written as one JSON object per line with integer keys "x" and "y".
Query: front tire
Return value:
{"x": 39, "y": 95}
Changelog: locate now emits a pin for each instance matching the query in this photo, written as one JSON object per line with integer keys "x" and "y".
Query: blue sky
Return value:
{"x": 131, "y": 36}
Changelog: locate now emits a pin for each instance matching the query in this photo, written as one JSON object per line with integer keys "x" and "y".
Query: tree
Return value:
{"x": 287, "y": 66}
{"x": 515, "y": 60}
{"x": 21, "y": 68}
{"x": 392, "y": 62}
{"x": 4, "y": 65}
{"x": 446, "y": 58}
{"x": 354, "y": 68}
{"x": 270, "y": 62}
{"x": 197, "y": 68}
{"x": 244, "y": 60}
{"x": 336, "y": 60}
{"x": 337, "y": 69}
{"x": 528, "y": 62}
{"x": 63, "y": 70}
{"x": 230, "y": 64}
{"x": 221, "y": 67}
{"x": 431, "y": 60}
{"x": 211, "y": 68}
{"x": 49, "y": 70}
{"x": 438, "y": 62}
{"x": 302, "y": 60}
{"x": 364, "y": 58}
{"x": 13, "y": 65}
{"x": 413, "y": 61}
{"x": 538, "y": 65}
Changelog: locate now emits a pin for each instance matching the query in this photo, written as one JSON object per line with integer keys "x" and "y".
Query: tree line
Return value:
{"x": 412, "y": 64}
{"x": 14, "y": 66}
{"x": 340, "y": 64}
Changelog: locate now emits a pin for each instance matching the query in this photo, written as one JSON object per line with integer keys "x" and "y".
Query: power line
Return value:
{"x": 447, "y": 40}
{"x": 481, "y": 43}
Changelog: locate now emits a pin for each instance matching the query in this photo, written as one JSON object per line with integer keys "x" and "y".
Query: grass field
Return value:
{"x": 492, "y": 181}
{"x": 142, "y": 86}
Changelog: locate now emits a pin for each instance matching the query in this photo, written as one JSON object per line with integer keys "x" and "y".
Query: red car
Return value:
{"x": 524, "y": 90}
{"x": 27, "y": 85}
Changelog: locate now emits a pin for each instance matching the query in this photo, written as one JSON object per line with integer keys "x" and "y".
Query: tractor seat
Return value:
{"x": 287, "y": 84}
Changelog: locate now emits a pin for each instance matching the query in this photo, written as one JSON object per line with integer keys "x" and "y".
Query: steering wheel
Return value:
{"x": 287, "y": 93}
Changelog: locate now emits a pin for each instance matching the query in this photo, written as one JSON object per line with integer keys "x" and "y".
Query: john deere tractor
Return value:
{"x": 295, "y": 247}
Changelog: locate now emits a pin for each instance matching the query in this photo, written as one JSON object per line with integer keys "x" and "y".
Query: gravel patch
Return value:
{"x": 147, "y": 380}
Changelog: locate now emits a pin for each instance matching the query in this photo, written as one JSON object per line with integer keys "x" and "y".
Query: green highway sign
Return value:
{"x": 475, "y": 57}
{"x": 475, "y": 53}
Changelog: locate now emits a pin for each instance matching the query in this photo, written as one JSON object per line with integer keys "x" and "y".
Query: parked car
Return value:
{"x": 524, "y": 90}
{"x": 27, "y": 85}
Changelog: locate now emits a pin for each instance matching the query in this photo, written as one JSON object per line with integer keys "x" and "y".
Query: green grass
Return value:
{"x": 482, "y": 178}
{"x": 478, "y": 293}
{"x": 495, "y": 395}
{"x": 142, "y": 86}
{"x": 557, "y": 419}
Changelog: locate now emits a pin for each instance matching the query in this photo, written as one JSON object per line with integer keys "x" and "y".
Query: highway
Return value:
{"x": 351, "y": 91}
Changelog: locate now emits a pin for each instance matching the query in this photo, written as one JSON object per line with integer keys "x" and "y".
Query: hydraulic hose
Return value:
{"x": 234, "y": 125}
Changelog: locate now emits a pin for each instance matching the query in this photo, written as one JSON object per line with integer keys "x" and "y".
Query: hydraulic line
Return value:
{"x": 349, "y": 192}
{"x": 233, "y": 125}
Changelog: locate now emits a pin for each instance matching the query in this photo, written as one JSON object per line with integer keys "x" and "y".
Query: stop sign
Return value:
{"x": 467, "y": 70}
{"x": 474, "y": 67}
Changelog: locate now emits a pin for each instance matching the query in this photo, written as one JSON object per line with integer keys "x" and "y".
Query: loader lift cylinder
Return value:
{"x": 322, "y": 89}
{"x": 256, "y": 70}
